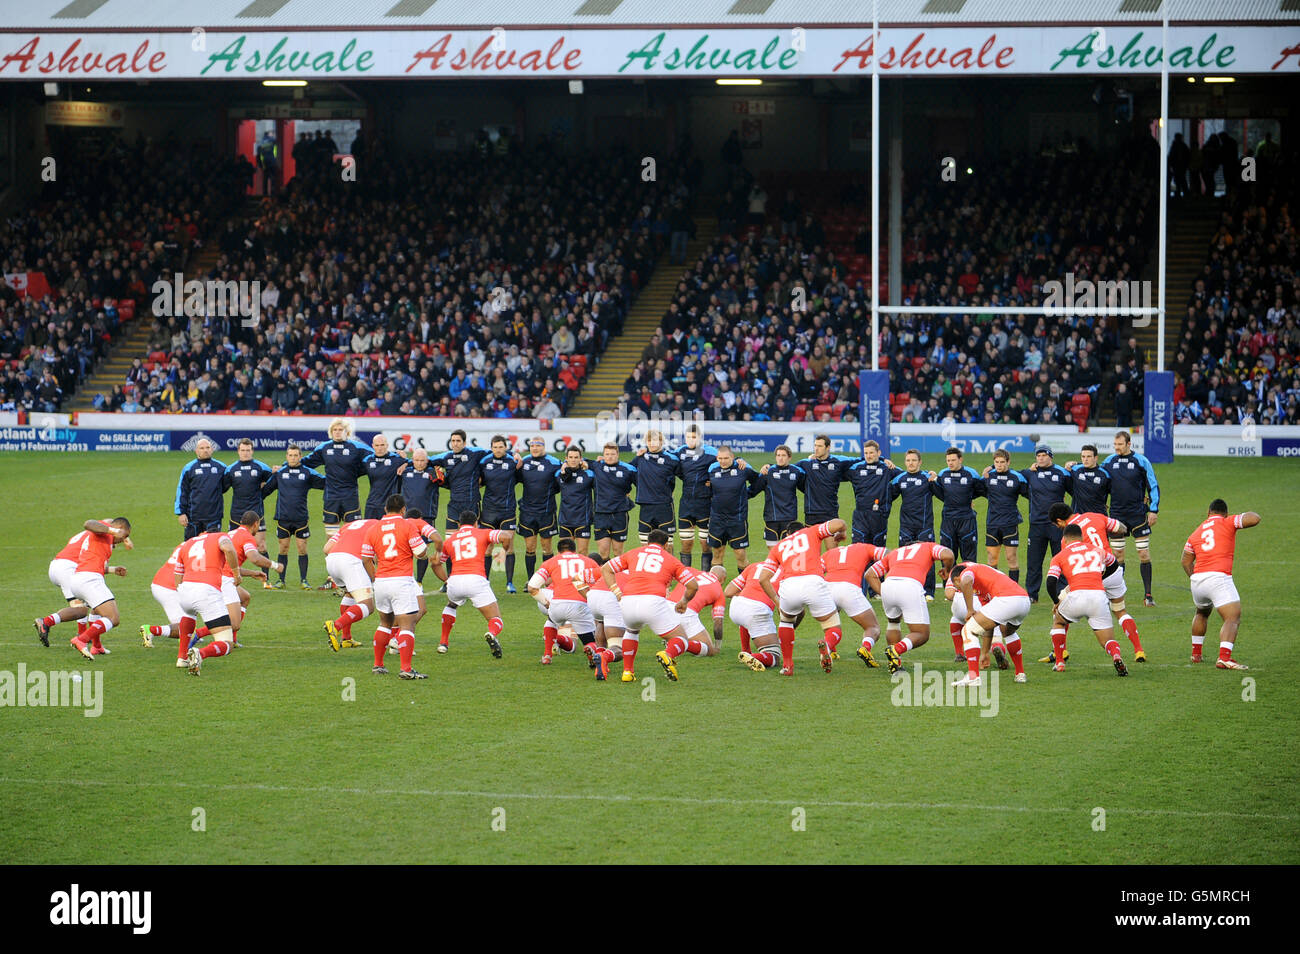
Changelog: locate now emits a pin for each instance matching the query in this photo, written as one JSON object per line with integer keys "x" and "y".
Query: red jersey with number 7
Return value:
{"x": 912, "y": 562}
{"x": 1081, "y": 564}
{"x": 392, "y": 543}
{"x": 650, "y": 569}
{"x": 1213, "y": 543}
{"x": 564, "y": 570}
{"x": 467, "y": 547}
{"x": 800, "y": 553}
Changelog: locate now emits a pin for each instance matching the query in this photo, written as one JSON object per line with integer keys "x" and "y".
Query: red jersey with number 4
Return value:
{"x": 392, "y": 543}
{"x": 90, "y": 551}
{"x": 1096, "y": 528}
{"x": 800, "y": 553}
{"x": 849, "y": 564}
{"x": 708, "y": 594}
{"x": 912, "y": 561}
{"x": 1081, "y": 564}
{"x": 990, "y": 582}
{"x": 650, "y": 569}
{"x": 753, "y": 590}
{"x": 467, "y": 547}
{"x": 204, "y": 560}
{"x": 564, "y": 570}
{"x": 351, "y": 537}
{"x": 1214, "y": 543}
{"x": 166, "y": 575}
{"x": 244, "y": 545}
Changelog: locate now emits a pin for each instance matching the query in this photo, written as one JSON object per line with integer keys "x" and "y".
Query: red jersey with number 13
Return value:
{"x": 467, "y": 547}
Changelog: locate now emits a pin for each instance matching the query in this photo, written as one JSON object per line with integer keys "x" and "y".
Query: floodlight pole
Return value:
{"x": 875, "y": 185}
{"x": 1164, "y": 183}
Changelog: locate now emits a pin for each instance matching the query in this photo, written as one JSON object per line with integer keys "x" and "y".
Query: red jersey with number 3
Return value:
{"x": 912, "y": 561}
{"x": 467, "y": 547}
{"x": 990, "y": 583}
{"x": 166, "y": 575}
{"x": 351, "y": 537}
{"x": 563, "y": 570}
{"x": 204, "y": 560}
{"x": 1214, "y": 543}
{"x": 849, "y": 564}
{"x": 800, "y": 553}
{"x": 392, "y": 543}
{"x": 244, "y": 545}
{"x": 650, "y": 569}
{"x": 708, "y": 594}
{"x": 1081, "y": 564}
{"x": 1096, "y": 528}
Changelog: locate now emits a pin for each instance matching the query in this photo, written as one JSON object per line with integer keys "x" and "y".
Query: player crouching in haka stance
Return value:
{"x": 644, "y": 601}
{"x": 699, "y": 641}
{"x": 343, "y": 563}
{"x": 609, "y": 621}
{"x": 388, "y": 553}
{"x": 244, "y": 540}
{"x": 798, "y": 559}
{"x": 990, "y": 599}
{"x": 1098, "y": 530}
{"x": 751, "y": 610}
{"x": 844, "y": 568}
{"x": 78, "y": 570}
{"x": 467, "y": 580}
{"x": 570, "y": 575}
{"x": 1081, "y": 565}
{"x": 1207, "y": 559}
{"x": 198, "y": 590}
{"x": 902, "y": 594}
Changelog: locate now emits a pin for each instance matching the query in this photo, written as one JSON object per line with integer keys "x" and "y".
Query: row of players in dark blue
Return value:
{"x": 594, "y": 496}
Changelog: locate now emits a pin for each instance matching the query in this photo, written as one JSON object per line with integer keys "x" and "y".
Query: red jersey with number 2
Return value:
{"x": 392, "y": 544}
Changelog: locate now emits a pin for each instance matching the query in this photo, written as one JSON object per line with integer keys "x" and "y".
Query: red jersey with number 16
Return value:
{"x": 351, "y": 537}
{"x": 1214, "y": 542}
{"x": 650, "y": 569}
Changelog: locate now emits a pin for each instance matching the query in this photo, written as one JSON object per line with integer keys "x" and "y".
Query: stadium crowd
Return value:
{"x": 99, "y": 236}
{"x": 455, "y": 285}
{"x": 1237, "y": 357}
{"x": 736, "y": 344}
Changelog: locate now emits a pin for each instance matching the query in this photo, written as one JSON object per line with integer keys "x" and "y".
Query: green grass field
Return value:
{"x": 719, "y": 767}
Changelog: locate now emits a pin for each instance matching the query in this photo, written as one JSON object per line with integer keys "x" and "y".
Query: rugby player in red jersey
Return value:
{"x": 1207, "y": 559}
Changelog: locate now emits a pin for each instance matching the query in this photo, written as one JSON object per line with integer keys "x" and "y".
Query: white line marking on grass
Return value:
{"x": 665, "y": 799}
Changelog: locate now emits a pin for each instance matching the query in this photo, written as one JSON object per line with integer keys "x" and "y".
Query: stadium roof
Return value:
{"x": 104, "y": 15}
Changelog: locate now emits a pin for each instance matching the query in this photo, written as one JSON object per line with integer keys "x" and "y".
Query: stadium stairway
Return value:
{"x": 135, "y": 344}
{"x": 604, "y": 386}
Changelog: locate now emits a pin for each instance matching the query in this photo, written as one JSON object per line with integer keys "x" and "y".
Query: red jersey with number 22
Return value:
{"x": 1081, "y": 564}
{"x": 650, "y": 569}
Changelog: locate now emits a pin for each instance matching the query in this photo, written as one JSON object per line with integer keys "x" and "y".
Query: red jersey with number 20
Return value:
{"x": 1214, "y": 542}
{"x": 392, "y": 543}
{"x": 800, "y": 553}
{"x": 650, "y": 569}
{"x": 1081, "y": 564}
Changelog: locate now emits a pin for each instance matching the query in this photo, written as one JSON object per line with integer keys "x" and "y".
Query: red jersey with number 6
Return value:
{"x": 1096, "y": 528}
{"x": 1081, "y": 564}
{"x": 392, "y": 543}
{"x": 467, "y": 547}
{"x": 1214, "y": 543}
{"x": 650, "y": 569}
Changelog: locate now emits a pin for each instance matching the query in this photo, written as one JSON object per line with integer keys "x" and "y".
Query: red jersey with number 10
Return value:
{"x": 1214, "y": 542}
{"x": 392, "y": 544}
{"x": 650, "y": 569}
{"x": 912, "y": 561}
{"x": 563, "y": 570}
{"x": 467, "y": 547}
{"x": 800, "y": 553}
